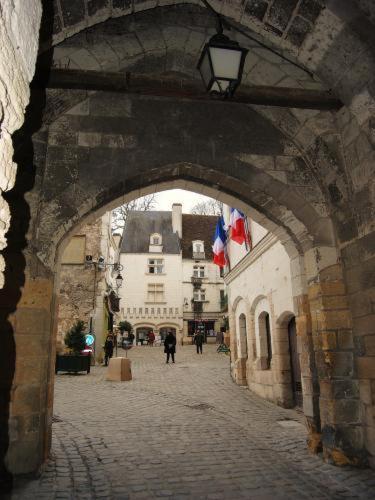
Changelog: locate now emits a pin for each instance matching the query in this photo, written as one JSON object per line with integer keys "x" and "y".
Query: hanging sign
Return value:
{"x": 90, "y": 339}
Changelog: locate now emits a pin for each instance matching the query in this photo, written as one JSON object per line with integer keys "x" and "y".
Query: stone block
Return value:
{"x": 345, "y": 339}
{"x": 366, "y": 367}
{"x": 89, "y": 139}
{"x": 26, "y": 399}
{"x": 328, "y": 340}
{"x": 119, "y": 370}
{"x": 31, "y": 321}
{"x": 333, "y": 320}
{"x": 369, "y": 341}
{"x": 365, "y": 392}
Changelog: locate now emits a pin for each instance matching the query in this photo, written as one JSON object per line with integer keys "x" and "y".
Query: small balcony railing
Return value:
{"x": 197, "y": 282}
{"x": 199, "y": 255}
{"x": 197, "y": 306}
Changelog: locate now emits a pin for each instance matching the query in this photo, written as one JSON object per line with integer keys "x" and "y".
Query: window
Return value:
{"x": 155, "y": 266}
{"x": 74, "y": 252}
{"x": 199, "y": 295}
{"x": 155, "y": 292}
{"x": 265, "y": 340}
{"x": 170, "y": 311}
{"x": 176, "y": 310}
{"x": 155, "y": 239}
{"x": 221, "y": 272}
{"x": 198, "y": 271}
{"x": 198, "y": 249}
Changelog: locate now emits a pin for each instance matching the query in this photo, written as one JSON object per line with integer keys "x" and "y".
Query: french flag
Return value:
{"x": 237, "y": 225}
{"x": 219, "y": 244}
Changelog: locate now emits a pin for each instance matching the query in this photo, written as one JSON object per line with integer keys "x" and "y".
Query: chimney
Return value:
{"x": 177, "y": 218}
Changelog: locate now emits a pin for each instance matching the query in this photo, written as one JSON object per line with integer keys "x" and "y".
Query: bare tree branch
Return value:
{"x": 209, "y": 207}
{"x": 120, "y": 214}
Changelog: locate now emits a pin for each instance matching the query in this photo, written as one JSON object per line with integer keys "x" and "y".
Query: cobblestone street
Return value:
{"x": 180, "y": 431}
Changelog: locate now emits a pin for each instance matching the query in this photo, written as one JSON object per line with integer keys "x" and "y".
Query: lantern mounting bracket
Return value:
{"x": 223, "y": 22}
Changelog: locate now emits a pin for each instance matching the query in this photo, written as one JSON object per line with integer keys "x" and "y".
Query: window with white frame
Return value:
{"x": 198, "y": 246}
{"x": 199, "y": 295}
{"x": 198, "y": 272}
{"x": 155, "y": 239}
{"x": 155, "y": 292}
{"x": 155, "y": 266}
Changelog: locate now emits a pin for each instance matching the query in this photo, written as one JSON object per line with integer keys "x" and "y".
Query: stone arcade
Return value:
{"x": 307, "y": 174}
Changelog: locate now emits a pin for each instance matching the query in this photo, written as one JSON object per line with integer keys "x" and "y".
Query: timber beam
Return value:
{"x": 179, "y": 88}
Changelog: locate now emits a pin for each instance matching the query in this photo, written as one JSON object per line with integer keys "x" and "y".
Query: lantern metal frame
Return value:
{"x": 221, "y": 41}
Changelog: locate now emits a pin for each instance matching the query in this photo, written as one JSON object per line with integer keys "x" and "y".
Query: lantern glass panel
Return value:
{"x": 225, "y": 62}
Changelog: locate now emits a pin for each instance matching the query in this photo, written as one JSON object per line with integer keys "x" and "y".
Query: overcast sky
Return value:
{"x": 188, "y": 199}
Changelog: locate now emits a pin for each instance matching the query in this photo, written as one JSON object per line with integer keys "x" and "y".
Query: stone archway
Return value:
{"x": 328, "y": 162}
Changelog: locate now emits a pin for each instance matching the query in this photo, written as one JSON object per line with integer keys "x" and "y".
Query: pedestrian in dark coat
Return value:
{"x": 198, "y": 341}
{"x": 170, "y": 346}
{"x": 108, "y": 349}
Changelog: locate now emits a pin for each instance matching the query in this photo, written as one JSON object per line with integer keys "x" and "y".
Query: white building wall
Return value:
{"x": 261, "y": 281}
{"x": 135, "y": 307}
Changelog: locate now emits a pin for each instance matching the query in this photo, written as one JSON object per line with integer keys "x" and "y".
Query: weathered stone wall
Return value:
{"x": 79, "y": 286}
{"x": 140, "y": 142}
{"x": 18, "y": 50}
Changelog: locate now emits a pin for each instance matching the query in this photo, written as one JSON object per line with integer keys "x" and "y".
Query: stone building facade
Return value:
{"x": 161, "y": 252}
{"x": 151, "y": 297}
{"x": 88, "y": 289}
{"x": 265, "y": 348}
{"x": 306, "y": 175}
{"x": 202, "y": 281}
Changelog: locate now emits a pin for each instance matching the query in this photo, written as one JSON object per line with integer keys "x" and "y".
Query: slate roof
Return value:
{"x": 140, "y": 225}
{"x": 198, "y": 227}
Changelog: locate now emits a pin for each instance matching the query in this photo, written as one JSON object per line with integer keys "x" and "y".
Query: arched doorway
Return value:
{"x": 141, "y": 334}
{"x": 243, "y": 336}
{"x": 295, "y": 363}
{"x": 244, "y": 172}
{"x": 163, "y": 332}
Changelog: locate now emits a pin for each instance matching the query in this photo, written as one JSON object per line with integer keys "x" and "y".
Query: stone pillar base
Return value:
{"x": 119, "y": 370}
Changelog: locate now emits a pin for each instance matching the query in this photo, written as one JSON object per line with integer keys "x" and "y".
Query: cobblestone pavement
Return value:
{"x": 181, "y": 431}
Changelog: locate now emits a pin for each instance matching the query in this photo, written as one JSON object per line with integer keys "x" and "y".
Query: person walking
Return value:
{"x": 151, "y": 339}
{"x": 108, "y": 348}
{"x": 198, "y": 341}
{"x": 170, "y": 346}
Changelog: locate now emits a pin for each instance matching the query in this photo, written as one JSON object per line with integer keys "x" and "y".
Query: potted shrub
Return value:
{"x": 75, "y": 341}
{"x": 125, "y": 326}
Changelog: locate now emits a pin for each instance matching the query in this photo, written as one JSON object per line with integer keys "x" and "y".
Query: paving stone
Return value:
{"x": 189, "y": 434}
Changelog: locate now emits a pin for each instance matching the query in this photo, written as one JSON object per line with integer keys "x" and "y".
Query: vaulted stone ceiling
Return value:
{"x": 291, "y": 20}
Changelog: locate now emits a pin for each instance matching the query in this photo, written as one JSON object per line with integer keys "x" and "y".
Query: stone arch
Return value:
{"x": 331, "y": 48}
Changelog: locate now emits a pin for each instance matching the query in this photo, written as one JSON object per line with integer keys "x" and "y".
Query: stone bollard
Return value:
{"x": 119, "y": 370}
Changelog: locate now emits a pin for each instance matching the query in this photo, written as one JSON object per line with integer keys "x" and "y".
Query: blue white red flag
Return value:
{"x": 237, "y": 223}
{"x": 219, "y": 244}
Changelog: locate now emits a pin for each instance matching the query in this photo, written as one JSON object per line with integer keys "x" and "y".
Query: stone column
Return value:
{"x": 342, "y": 435}
{"x": 31, "y": 395}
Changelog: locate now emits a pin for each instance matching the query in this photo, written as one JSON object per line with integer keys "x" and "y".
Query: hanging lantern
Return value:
{"x": 119, "y": 280}
{"x": 221, "y": 65}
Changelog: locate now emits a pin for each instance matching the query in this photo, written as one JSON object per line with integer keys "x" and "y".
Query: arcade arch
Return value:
{"x": 308, "y": 177}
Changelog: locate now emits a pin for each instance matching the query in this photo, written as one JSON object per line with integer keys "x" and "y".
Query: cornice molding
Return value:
{"x": 265, "y": 243}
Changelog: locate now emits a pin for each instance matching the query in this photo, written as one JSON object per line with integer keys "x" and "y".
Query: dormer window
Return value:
{"x": 155, "y": 239}
{"x": 198, "y": 249}
{"x": 156, "y": 243}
